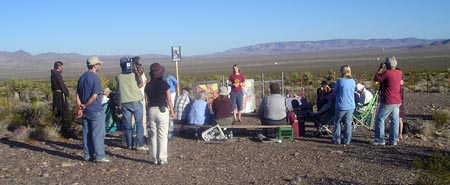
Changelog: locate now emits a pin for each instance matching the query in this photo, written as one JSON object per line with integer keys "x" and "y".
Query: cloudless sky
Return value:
{"x": 133, "y": 27}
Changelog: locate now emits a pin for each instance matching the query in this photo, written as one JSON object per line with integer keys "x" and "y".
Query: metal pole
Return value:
{"x": 282, "y": 84}
{"x": 178, "y": 79}
{"x": 262, "y": 87}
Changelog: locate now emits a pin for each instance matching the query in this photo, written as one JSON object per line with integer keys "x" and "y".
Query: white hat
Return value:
{"x": 223, "y": 91}
{"x": 359, "y": 87}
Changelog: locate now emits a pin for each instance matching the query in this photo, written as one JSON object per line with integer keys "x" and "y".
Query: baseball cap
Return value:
{"x": 93, "y": 60}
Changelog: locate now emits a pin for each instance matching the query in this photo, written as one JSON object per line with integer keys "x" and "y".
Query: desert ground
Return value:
{"x": 241, "y": 160}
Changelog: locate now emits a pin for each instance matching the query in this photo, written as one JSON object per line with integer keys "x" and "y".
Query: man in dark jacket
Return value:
{"x": 60, "y": 93}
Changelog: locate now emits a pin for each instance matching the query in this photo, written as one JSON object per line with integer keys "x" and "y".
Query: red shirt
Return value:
{"x": 236, "y": 79}
{"x": 390, "y": 86}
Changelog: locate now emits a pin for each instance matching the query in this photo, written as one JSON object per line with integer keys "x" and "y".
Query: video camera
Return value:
{"x": 131, "y": 64}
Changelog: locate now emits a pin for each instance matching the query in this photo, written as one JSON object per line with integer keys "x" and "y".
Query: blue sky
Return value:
{"x": 133, "y": 27}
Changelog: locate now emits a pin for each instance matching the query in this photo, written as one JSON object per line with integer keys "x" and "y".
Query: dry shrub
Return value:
{"x": 436, "y": 168}
{"x": 441, "y": 118}
{"x": 44, "y": 133}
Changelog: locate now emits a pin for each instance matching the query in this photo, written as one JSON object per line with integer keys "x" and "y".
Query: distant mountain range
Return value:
{"x": 296, "y": 47}
{"x": 275, "y": 48}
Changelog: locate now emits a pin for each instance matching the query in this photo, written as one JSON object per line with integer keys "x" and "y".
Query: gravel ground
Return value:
{"x": 241, "y": 160}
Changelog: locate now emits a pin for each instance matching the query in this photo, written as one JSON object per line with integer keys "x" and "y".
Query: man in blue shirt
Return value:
{"x": 89, "y": 101}
{"x": 173, "y": 83}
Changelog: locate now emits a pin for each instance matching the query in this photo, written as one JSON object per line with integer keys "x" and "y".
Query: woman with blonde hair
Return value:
{"x": 345, "y": 105}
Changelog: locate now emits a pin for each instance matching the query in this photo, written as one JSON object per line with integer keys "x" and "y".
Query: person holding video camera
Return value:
{"x": 130, "y": 99}
{"x": 390, "y": 79}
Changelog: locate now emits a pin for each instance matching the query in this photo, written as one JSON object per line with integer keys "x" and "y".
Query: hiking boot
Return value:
{"x": 377, "y": 143}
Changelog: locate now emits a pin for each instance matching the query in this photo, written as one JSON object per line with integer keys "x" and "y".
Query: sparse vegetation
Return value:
{"x": 441, "y": 118}
{"x": 436, "y": 168}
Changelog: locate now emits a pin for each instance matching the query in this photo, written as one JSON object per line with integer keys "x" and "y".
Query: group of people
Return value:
{"x": 223, "y": 110}
{"x": 348, "y": 96}
{"x": 156, "y": 99}
{"x": 134, "y": 96}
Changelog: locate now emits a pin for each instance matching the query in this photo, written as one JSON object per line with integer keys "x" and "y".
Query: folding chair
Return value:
{"x": 366, "y": 116}
{"x": 323, "y": 120}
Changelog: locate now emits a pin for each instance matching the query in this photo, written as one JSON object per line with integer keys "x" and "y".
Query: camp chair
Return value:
{"x": 365, "y": 117}
{"x": 323, "y": 120}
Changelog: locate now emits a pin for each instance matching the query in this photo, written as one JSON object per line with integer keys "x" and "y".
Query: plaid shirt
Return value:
{"x": 180, "y": 104}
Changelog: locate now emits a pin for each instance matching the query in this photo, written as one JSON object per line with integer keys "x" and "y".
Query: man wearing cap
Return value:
{"x": 389, "y": 78}
{"x": 364, "y": 96}
{"x": 222, "y": 108}
{"x": 89, "y": 101}
{"x": 181, "y": 107}
{"x": 130, "y": 99}
{"x": 60, "y": 106}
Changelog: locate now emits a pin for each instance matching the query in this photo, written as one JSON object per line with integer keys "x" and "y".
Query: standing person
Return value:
{"x": 182, "y": 106}
{"x": 159, "y": 100}
{"x": 389, "y": 78}
{"x": 60, "y": 106}
{"x": 89, "y": 101}
{"x": 130, "y": 99}
{"x": 173, "y": 83}
{"x": 142, "y": 80}
{"x": 236, "y": 81}
{"x": 344, "y": 105}
{"x": 222, "y": 108}
{"x": 272, "y": 110}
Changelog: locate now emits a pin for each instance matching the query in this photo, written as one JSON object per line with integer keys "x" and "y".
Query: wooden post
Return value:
{"x": 7, "y": 98}
{"x": 178, "y": 79}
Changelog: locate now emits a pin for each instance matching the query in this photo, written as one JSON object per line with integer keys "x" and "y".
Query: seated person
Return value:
{"x": 272, "y": 110}
{"x": 181, "y": 106}
{"x": 364, "y": 97}
{"x": 324, "y": 113}
{"x": 199, "y": 113}
{"x": 105, "y": 97}
{"x": 222, "y": 108}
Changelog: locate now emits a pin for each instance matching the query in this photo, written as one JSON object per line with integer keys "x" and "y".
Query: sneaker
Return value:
{"x": 104, "y": 160}
{"x": 377, "y": 143}
{"x": 163, "y": 162}
{"x": 142, "y": 148}
{"x": 393, "y": 144}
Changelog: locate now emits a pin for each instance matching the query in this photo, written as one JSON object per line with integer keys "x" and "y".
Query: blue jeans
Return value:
{"x": 237, "y": 99}
{"x": 385, "y": 110}
{"x": 93, "y": 135}
{"x": 344, "y": 116}
{"x": 128, "y": 110}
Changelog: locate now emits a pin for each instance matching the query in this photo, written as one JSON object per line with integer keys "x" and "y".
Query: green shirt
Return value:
{"x": 127, "y": 88}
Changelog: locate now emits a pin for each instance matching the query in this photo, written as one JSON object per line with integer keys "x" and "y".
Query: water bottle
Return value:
{"x": 170, "y": 136}
{"x": 230, "y": 135}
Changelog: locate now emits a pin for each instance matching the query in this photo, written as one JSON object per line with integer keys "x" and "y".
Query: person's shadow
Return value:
{"x": 17, "y": 144}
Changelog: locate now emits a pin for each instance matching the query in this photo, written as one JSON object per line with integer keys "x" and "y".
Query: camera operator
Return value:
{"x": 130, "y": 99}
{"x": 389, "y": 78}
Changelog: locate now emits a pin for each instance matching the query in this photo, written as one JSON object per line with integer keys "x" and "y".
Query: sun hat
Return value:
{"x": 93, "y": 60}
{"x": 156, "y": 70}
{"x": 223, "y": 91}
